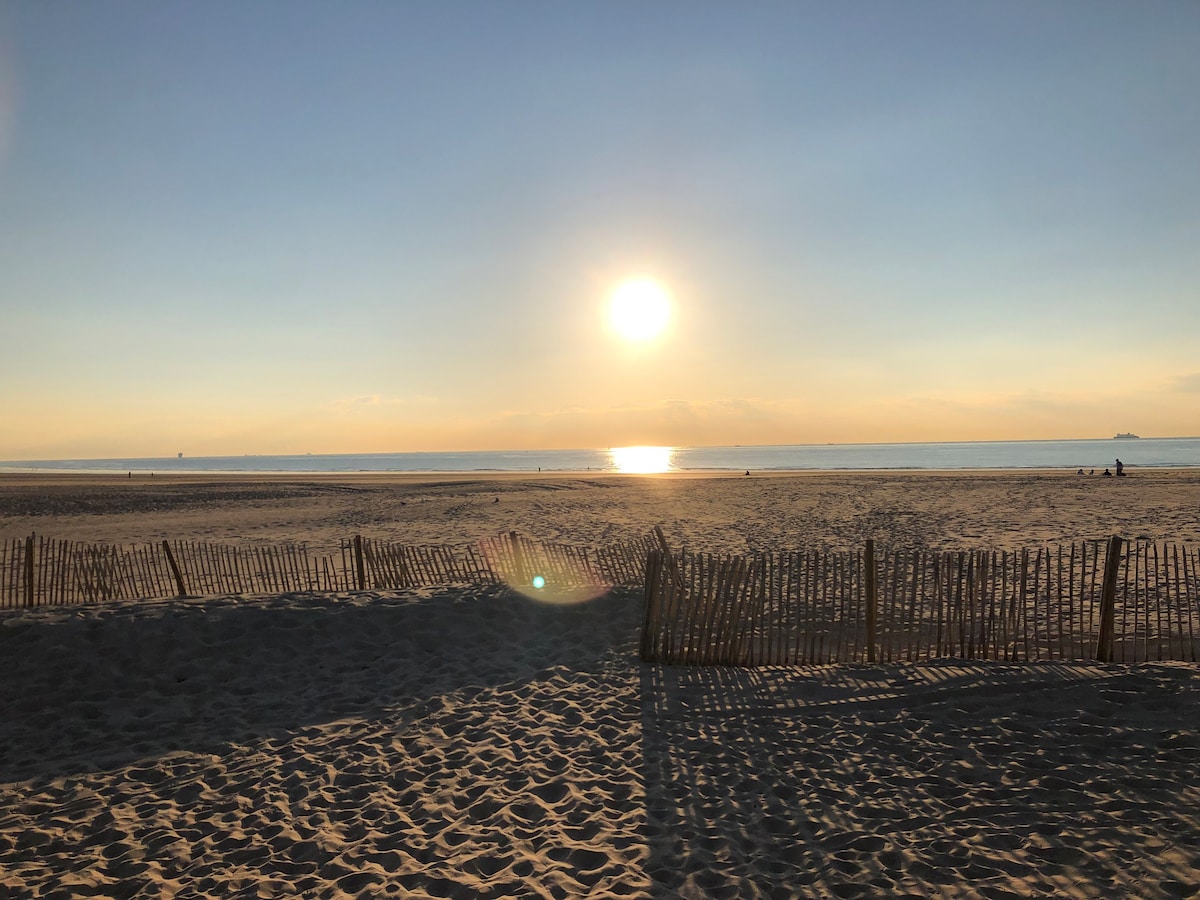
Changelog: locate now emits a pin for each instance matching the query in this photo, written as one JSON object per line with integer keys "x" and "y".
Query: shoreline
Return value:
{"x": 408, "y": 477}
{"x": 962, "y": 456}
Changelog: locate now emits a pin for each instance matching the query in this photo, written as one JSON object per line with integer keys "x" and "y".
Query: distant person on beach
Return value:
{"x": 1080, "y": 472}
{"x": 1120, "y": 467}
{"x": 1107, "y": 474}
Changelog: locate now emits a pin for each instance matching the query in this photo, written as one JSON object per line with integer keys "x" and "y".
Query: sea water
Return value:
{"x": 1085, "y": 454}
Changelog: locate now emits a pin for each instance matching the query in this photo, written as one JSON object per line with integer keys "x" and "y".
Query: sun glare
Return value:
{"x": 639, "y": 309}
{"x": 642, "y": 460}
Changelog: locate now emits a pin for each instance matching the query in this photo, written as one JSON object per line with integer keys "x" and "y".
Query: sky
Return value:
{"x": 288, "y": 227}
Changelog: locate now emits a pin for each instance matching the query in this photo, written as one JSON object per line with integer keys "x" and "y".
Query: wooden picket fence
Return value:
{"x": 1090, "y": 600}
{"x": 39, "y": 571}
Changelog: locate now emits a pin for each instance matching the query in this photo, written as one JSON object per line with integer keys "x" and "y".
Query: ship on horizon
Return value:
{"x": 1126, "y": 436}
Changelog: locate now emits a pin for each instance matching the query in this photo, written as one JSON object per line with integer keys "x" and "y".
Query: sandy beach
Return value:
{"x": 470, "y": 742}
{"x": 724, "y": 513}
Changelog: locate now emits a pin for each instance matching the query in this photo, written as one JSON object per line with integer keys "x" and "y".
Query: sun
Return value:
{"x": 639, "y": 309}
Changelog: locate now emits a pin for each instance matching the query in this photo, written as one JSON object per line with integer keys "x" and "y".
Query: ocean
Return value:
{"x": 1086, "y": 454}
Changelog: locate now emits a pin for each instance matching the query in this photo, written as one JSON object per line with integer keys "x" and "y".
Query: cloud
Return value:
{"x": 1186, "y": 384}
{"x": 360, "y": 403}
{"x": 670, "y": 422}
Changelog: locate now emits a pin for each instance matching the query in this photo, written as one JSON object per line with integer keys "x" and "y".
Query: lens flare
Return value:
{"x": 543, "y": 572}
{"x": 642, "y": 460}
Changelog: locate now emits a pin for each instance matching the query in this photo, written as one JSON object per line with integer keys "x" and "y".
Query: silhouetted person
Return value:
{"x": 1120, "y": 467}
{"x": 1107, "y": 474}
{"x": 1080, "y": 472}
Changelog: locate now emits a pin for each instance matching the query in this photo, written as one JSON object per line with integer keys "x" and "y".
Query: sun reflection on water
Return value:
{"x": 642, "y": 460}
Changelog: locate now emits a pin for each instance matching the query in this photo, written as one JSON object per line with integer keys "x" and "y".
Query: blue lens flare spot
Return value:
{"x": 539, "y": 582}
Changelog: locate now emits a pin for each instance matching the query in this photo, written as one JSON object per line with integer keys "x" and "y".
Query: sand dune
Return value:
{"x": 476, "y": 744}
{"x": 462, "y": 744}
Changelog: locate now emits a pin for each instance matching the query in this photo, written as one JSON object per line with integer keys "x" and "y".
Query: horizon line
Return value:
{"x": 381, "y": 453}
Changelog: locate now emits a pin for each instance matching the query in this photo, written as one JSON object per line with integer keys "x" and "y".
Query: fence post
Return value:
{"x": 1108, "y": 599}
{"x": 872, "y": 599}
{"x": 174, "y": 569}
{"x": 668, "y": 557}
{"x": 650, "y": 605}
{"x": 29, "y": 570}
{"x": 359, "y": 568}
{"x": 520, "y": 575}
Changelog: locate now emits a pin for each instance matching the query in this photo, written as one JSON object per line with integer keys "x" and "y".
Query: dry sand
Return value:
{"x": 1000, "y": 510}
{"x": 472, "y": 743}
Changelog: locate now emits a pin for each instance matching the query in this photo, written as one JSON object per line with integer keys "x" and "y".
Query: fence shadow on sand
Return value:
{"x": 990, "y": 779}
{"x": 101, "y": 686}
